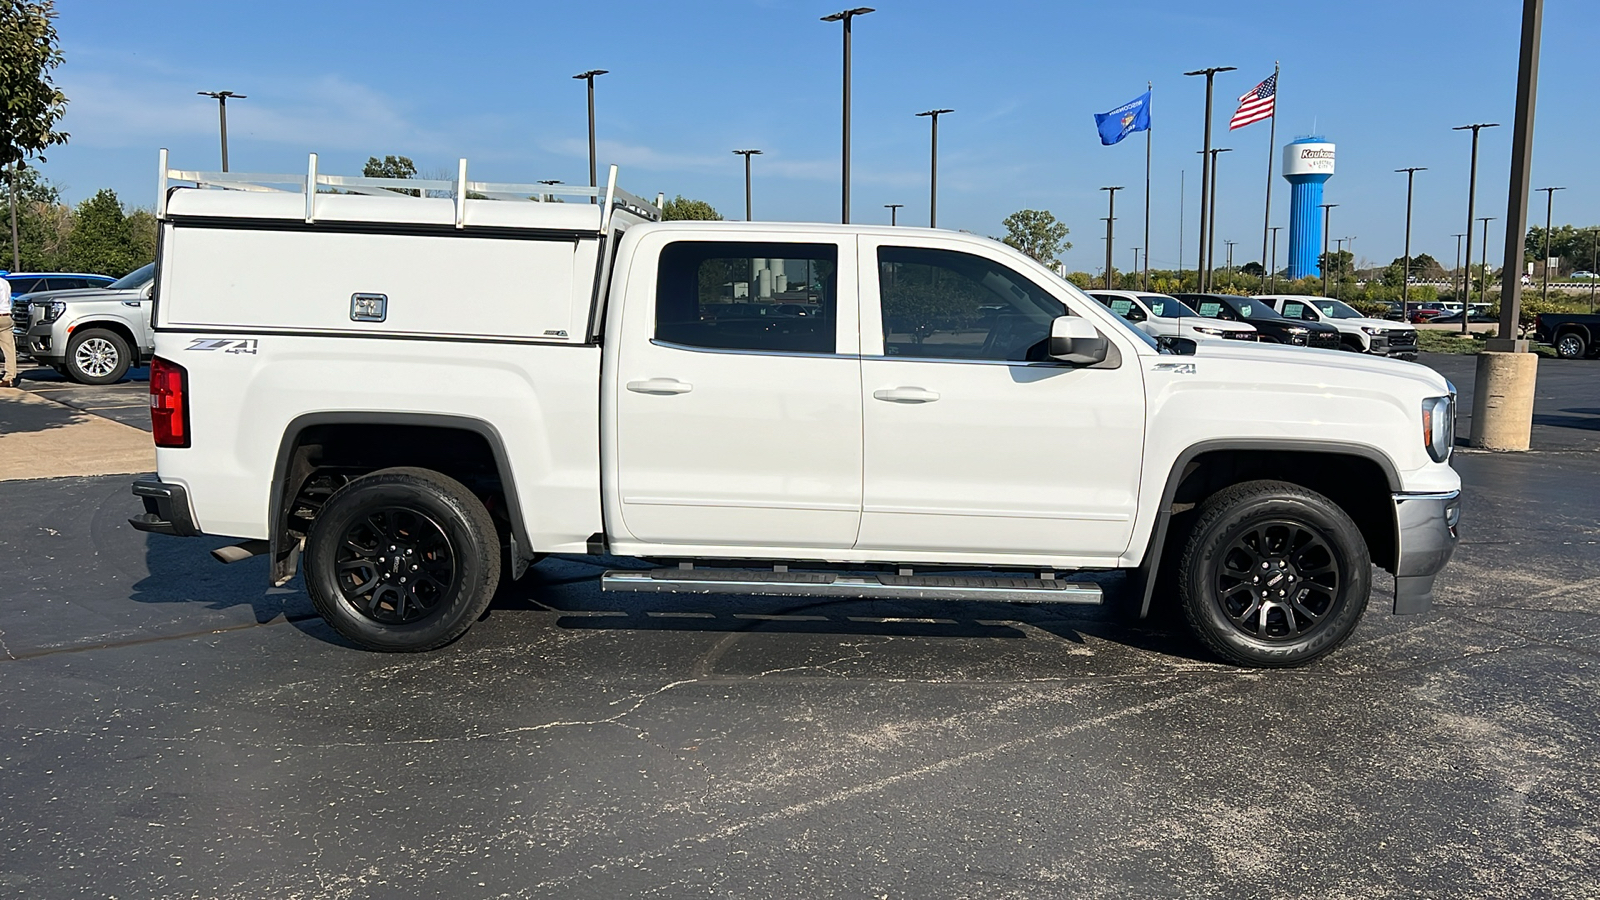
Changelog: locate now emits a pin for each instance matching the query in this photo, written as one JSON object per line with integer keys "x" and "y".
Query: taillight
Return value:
{"x": 169, "y": 403}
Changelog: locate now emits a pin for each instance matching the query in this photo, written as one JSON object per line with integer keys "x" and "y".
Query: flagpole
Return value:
{"x": 1272, "y": 143}
{"x": 1148, "y": 86}
{"x": 1183, "y": 189}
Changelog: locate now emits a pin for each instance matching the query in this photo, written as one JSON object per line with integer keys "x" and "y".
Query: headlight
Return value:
{"x": 1203, "y": 330}
{"x": 49, "y": 312}
{"x": 1296, "y": 329}
{"x": 1439, "y": 426}
{"x": 1372, "y": 329}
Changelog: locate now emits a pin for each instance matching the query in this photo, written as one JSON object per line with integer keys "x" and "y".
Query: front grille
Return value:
{"x": 1402, "y": 339}
{"x": 1324, "y": 341}
{"x": 19, "y": 315}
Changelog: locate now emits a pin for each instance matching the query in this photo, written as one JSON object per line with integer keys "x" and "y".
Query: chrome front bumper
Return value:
{"x": 1426, "y": 527}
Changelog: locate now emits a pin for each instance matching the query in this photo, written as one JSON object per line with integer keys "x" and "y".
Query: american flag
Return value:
{"x": 1256, "y": 105}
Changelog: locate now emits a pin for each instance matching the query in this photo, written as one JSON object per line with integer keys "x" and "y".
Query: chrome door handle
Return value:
{"x": 905, "y": 395}
{"x": 660, "y": 386}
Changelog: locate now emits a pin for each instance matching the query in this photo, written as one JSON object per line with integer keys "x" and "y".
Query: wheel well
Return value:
{"x": 113, "y": 326}
{"x": 1357, "y": 484}
{"x": 1578, "y": 330}
{"x": 320, "y": 457}
{"x": 1353, "y": 341}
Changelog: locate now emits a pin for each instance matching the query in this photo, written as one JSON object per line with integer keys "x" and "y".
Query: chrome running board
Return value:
{"x": 769, "y": 583}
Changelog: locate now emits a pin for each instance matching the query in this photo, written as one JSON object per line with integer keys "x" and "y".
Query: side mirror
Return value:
{"x": 1074, "y": 340}
{"x": 148, "y": 289}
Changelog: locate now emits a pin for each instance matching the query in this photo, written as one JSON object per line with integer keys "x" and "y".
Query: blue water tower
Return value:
{"x": 1307, "y": 164}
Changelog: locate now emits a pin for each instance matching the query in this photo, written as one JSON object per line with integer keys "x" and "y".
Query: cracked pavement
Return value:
{"x": 171, "y": 727}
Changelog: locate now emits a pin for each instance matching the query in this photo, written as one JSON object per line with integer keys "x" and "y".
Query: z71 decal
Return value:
{"x": 226, "y": 345}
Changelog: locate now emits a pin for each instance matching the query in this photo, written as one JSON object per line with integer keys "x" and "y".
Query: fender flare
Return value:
{"x": 1180, "y": 471}
{"x": 285, "y": 560}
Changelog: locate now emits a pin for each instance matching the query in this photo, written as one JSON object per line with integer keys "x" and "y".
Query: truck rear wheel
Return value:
{"x": 402, "y": 560}
{"x": 97, "y": 356}
{"x": 1571, "y": 346}
{"x": 1273, "y": 575}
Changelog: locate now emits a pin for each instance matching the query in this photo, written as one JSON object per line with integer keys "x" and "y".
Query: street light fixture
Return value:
{"x": 1205, "y": 160}
{"x": 1549, "y": 207}
{"x": 1483, "y": 286}
{"x": 933, "y": 177}
{"x": 1230, "y": 244}
{"x": 222, "y": 113}
{"x": 1472, "y": 200}
{"x": 589, "y": 77}
{"x": 1274, "y": 229}
{"x": 1339, "y": 255}
{"x": 747, "y": 154}
{"x": 894, "y": 210}
{"x": 1111, "y": 218}
{"x": 1405, "y": 281}
{"x": 845, "y": 16}
{"x": 1211, "y": 240}
{"x": 1453, "y": 289}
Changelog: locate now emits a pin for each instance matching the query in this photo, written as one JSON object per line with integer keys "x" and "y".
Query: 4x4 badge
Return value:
{"x": 226, "y": 345}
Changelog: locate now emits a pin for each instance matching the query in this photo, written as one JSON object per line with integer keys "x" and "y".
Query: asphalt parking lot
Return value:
{"x": 175, "y": 728}
{"x": 127, "y": 401}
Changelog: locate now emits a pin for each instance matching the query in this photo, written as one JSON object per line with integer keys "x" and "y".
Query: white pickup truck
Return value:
{"x": 755, "y": 408}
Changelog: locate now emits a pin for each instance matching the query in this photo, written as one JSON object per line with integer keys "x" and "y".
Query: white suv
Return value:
{"x": 1161, "y": 316}
{"x": 1357, "y": 332}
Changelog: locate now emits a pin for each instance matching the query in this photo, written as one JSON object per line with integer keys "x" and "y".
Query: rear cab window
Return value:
{"x": 751, "y": 296}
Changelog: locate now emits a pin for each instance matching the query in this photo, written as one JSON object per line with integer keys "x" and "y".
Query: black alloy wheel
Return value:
{"x": 1273, "y": 574}
{"x": 395, "y": 566}
{"x": 402, "y": 560}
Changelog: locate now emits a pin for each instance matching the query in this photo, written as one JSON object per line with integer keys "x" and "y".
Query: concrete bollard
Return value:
{"x": 1502, "y": 400}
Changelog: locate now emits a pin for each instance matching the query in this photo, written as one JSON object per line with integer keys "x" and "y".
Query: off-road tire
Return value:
{"x": 447, "y": 529}
{"x": 1212, "y": 554}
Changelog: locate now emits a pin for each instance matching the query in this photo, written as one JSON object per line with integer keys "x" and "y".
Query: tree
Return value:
{"x": 43, "y": 223}
{"x": 29, "y": 50}
{"x": 1037, "y": 233}
{"x": 1574, "y": 247}
{"x": 1423, "y": 267}
{"x": 391, "y": 167}
{"x": 681, "y": 208}
{"x": 101, "y": 240}
{"x": 1253, "y": 269}
{"x": 1337, "y": 264}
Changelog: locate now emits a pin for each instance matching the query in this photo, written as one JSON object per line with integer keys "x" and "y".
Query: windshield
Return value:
{"x": 1254, "y": 310}
{"x": 1167, "y": 307}
{"x": 1337, "y": 309}
{"x": 138, "y": 278}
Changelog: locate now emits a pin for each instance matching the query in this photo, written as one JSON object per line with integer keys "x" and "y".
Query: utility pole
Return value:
{"x": 1327, "y": 222}
{"x": 1230, "y": 254}
{"x": 1405, "y": 280}
{"x": 1111, "y": 218}
{"x": 845, "y": 16}
{"x": 1549, "y": 207}
{"x": 1205, "y": 170}
{"x": 222, "y": 113}
{"x": 1453, "y": 289}
{"x": 1211, "y": 239}
{"x": 1338, "y": 254}
{"x": 1275, "y": 229}
{"x": 893, "y": 209}
{"x": 747, "y": 154}
{"x": 1135, "y": 268}
{"x": 589, "y": 77}
{"x": 1483, "y": 283}
{"x": 933, "y": 175}
{"x": 1472, "y": 199}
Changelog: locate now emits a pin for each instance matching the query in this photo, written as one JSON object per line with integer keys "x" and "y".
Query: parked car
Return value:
{"x": 1476, "y": 317}
{"x": 91, "y": 336}
{"x": 1358, "y": 333}
{"x": 1271, "y": 327}
{"x": 1011, "y": 431}
{"x": 30, "y": 282}
{"x": 1572, "y": 336}
{"x": 1582, "y": 275}
{"x": 1161, "y": 316}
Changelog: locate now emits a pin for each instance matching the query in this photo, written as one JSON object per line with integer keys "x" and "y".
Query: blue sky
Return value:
{"x": 694, "y": 79}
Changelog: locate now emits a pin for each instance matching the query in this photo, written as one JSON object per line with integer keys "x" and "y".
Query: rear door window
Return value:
{"x": 739, "y": 295}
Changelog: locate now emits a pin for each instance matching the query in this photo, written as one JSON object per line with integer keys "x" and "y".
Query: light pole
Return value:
{"x": 1206, "y": 159}
{"x": 1275, "y": 229}
{"x": 1327, "y": 222}
{"x": 1339, "y": 254}
{"x": 222, "y": 113}
{"x": 589, "y": 77}
{"x": 1405, "y": 280}
{"x": 1549, "y": 207}
{"x": 1230, "y": 254}
{"x": 1483, "y": 284}
{"x": 933, "y": 175}
{"x": 747, "y": 154}
{"x": 1111, "y": 218}
{"x": 845, "y": 16}
{"x": 549, "y": 198}
{"x": 1135, "y": 268}
{"x": 1594, "y": 264}
{"x": 1472, "y": 199}
{"x": 1211, "y": 238}
{"x": 1453, "y": 289}
{"x": 894, "y": 209}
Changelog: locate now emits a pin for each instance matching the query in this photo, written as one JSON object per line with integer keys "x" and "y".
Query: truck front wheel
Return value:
{"x": 402, "y": 560}
{"x": 1571, "y": 345}
{"x": 97, "y": 356}
{"x": 1273, "y": 574}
